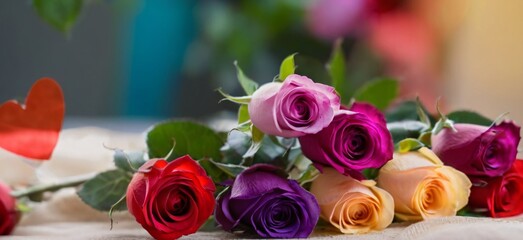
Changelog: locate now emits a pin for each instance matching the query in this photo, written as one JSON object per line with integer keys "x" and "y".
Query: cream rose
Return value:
{"x": 422, "y": 187}
{"x": 350, "y": 205}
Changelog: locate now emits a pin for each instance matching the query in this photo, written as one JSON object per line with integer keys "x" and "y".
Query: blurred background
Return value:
{"x": 147, "y": 60}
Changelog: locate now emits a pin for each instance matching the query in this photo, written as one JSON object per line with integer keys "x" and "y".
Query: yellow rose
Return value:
{"x": 350, "y": 205}
{"x": 422, "y": 187}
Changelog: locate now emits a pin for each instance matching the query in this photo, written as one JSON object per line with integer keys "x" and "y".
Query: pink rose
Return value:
{"x": 294, "y": 108}
{"x": 478, "y": 150}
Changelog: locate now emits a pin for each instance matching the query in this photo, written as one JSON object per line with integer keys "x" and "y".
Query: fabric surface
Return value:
{"x": 81, "y": 151}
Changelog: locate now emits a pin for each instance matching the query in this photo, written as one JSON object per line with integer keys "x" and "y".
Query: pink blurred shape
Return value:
{"x": 331, "y": 19}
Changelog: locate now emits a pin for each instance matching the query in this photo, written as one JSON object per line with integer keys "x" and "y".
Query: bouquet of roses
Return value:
{"x": 304, "y": 150}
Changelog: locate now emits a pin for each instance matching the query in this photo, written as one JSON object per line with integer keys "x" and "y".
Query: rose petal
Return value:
{"x": 344, "y": 196}
{"x": 257, "y": 180}
{"x": 262, "y": 108}
{"x": 370, "y": 111}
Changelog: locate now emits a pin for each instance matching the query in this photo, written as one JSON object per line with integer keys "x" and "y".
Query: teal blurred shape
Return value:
{"x": 154, "y": 46}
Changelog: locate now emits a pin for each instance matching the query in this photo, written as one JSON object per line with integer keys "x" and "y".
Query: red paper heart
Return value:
{"x": 32, "y": 130}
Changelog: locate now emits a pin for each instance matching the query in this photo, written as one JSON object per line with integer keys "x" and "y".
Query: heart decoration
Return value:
{"x": 32, "y": 130}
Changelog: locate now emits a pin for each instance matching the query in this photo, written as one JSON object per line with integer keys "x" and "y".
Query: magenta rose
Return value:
{"x": 478, "y": 150}
{"x": 355, "y": 140}
{"x": 296, "y": 107}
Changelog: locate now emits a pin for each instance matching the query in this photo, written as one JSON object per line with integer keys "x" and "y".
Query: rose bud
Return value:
{"x": 171, "y": 199}
{"x": 350, "y": 205}
{"x": 500, "y": 196}
{"x": 478, "y": 150}
{"x": 262, "y": 200}
{"x": 9, "y": 216}
{"x": 296, "y": 107}
{"x": 352, "y": 142}
{"x": 422, "y": 187}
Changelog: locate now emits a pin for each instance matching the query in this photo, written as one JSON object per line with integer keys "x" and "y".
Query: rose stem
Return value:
{"x": 51, "y": 187}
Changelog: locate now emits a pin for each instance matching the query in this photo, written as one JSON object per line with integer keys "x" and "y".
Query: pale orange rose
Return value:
{"x": 350, "y": 205}
{"x": 422, "y": 187}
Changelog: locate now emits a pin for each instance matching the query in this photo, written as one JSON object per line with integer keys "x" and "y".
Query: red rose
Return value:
{"x": 502, "y": 196}
{"x": 171, "y": 199}
{"x": 8, "y": 214}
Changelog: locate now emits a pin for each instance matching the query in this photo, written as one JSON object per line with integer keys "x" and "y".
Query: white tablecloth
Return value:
{"x": 81, "y": 151}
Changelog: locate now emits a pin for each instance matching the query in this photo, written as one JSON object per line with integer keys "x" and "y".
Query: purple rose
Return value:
{"x": 478, "y": 150}
{"x": 264, "y": 201}
{"x": 296, "y": 107}
{"x": 355, "y": 140}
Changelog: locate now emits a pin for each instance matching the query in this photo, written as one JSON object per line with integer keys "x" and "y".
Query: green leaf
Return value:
{"x": 409, "y": 144}
{"x": 220, "y": 172}
{"x": 443, "y": 122}
{"x": 287, "y": 67}
{"x": 308, "y": 175}
{"x": 257, "y": 138}
{"x": 216, "y": 174}
{"x": 248, "y": 85}
{"x": 337, "y": 71}
{"x": 467, "y": 212}
{"x": 406, "y": 110}
{"x": 425, "y": 138}
{"x": 231, "y": 170}
{"x": 22, "y": 207}
{"x": 239, "y": 100}
{"x": 243, "y": 114}
{"x": 271, "y": 153}
{"x": 244, "y": 127}
{"x": 210, "y": 225}
{"x": 471, "y": 117}
{"x": 106, "y": 189}
{"x": 422, "y": 114}
{"x": 312, "y": 68}
{"x": 379, "y": 92}
{"x": 129, "y": 162}
{"x": 236, "y": 145}
{"x": 61, "y": 14}
{"x": 302, "y": 170}
{"x": 192, "y": 138}
{"x": 406, "y": 129}
{"x": 370, "y": 173}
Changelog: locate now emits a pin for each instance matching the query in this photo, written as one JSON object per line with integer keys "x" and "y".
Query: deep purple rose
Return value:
{"x": 355, "y": 140}
{"x": 296, "y": 107}
{"x": 264, "y": 201}
{"x": 478, "y": 150}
